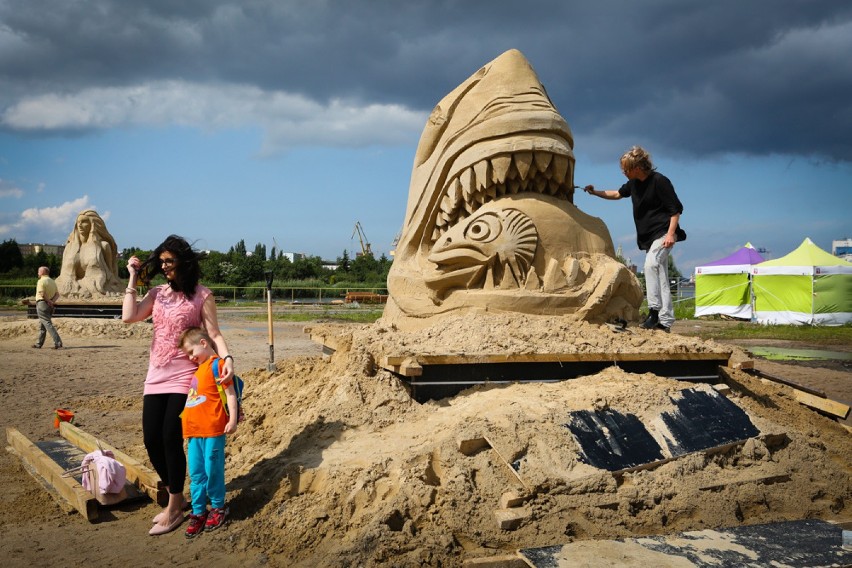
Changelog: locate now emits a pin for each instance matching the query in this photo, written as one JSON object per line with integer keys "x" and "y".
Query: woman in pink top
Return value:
{"x": 179, "y": 304}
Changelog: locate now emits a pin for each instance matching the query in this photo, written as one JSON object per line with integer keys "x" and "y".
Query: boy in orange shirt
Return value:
{"x": 205, "y": 424}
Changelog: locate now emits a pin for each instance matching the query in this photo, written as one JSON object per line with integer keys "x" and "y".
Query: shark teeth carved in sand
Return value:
{"x": 489, "y": 179}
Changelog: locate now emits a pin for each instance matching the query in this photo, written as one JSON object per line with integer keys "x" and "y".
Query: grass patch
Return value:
{"x": 683, "y": 309}
{"x": 817, "y": 335}
{"x": 232, "y": 304}
{"x": 12, "y": 303}
{"x": 354, "y": 316}
{"x": 814, "y": 334}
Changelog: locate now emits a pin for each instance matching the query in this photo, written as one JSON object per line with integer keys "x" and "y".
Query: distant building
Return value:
{"x": 843, "y": 249}
{"x": 35, "y": 248}
{"x": 293, "y": 256}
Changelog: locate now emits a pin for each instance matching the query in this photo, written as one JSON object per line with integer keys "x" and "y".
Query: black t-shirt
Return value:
{"x": 654, "y": 203}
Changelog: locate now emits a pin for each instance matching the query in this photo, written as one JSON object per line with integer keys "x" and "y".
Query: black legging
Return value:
{"x": 163, "y": 435}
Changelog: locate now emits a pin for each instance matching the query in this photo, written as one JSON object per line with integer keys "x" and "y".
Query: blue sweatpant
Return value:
{"x": 206, "y": 460}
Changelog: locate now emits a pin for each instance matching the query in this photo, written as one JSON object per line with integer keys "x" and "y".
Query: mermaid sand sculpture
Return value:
{"x": 90, "y": 261}
{"x": 491, "y": 224}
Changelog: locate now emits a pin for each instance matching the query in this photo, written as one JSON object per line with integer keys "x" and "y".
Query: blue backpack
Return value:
{"x": 238, "y": 388}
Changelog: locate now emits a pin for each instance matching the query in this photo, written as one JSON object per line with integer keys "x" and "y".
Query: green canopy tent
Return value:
{"x": 807, "y": 286}
{"x": 723, "y": 287}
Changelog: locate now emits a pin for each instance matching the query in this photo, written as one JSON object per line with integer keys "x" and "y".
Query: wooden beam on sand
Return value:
{"x": 783, "y": 381}
{"x": 497, "y": 561}
{"x": 471, "y": 446}
{"x": 826, "y": 405}
{"x": 137, "y": 473}
{"x": 766, "y": 478}
{"x": 52, "y": 474}
{"x": 328, "y": 341}
{"x": 505, "y": 462}
{"x": 803, "y": 395}
{"x": 492, "y": 358}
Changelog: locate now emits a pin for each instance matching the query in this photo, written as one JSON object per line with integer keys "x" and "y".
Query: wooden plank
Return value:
{"x": 783, "y": 381}
{"x": 137, "y": 473}
{"x": 500, "y": 561}
{"x": 803, "y": 395}
{"x": 510, "y": 500}
{"x": 470, "y": 359}
{"x": 51, "y": 472}
{"x": 327, "y": 341}
{"x": 708, "y": 451}
{"x": 845, "y": 524}
{"x": 763, "y": 478}
{"x": 511, "y": 519}
{"x": 70, "y": 457}
{"x": 826, "y": 405}
{"x": 725, "y": 374}
{"x": 508, "y": 465}
{"x": 409, "y": 367}
{"x": 470, "y": 446}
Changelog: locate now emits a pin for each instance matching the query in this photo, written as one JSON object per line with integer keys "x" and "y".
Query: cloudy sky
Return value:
{"x": 284, "y": 122}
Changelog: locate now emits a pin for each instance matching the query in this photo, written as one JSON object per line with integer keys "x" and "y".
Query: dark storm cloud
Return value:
{"x": 758, "y": 77}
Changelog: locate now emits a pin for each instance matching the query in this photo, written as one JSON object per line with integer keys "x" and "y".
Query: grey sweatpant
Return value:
{"x": 657, "y": 281}
{"x": 45, "y": 312}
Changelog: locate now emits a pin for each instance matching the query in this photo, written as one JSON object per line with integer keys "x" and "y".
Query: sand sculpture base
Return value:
{"x": 443, "y": 360}
{"x": 433, "y": 376}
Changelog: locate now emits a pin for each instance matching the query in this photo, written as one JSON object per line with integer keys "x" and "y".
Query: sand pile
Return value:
{"x": 77, "y": 327}
{"x": 336, "y": 465}
{"x": 519, "y": 334}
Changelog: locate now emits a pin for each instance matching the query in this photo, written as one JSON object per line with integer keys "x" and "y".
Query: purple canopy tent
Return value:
{"x": 724, "y": 286}
{"x": 745, "y": 255}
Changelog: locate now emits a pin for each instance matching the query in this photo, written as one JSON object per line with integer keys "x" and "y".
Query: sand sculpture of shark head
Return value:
{"x": 491, "y": 224}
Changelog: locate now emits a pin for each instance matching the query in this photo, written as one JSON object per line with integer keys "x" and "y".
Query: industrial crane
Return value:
{"x": 365, "y": 244}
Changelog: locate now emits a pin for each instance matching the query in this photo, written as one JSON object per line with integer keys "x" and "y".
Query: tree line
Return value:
{"x": 238, "y": 267}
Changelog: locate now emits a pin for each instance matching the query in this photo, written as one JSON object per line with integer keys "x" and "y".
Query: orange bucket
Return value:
{"x": 62, "y": 415}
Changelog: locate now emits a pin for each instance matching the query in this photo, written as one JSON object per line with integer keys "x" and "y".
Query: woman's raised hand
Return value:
{"x": 133, "y": 266}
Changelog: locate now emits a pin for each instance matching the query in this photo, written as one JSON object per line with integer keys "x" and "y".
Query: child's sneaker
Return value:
{"x": 196, "y": 524}
{"x": 216, "y": 518}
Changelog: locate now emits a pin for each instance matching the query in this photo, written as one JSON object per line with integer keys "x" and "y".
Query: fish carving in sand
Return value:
{"x": 491, "y": 224}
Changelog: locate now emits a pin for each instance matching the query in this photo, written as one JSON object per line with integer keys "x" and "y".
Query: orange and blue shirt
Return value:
{"x": 204, "y": 415}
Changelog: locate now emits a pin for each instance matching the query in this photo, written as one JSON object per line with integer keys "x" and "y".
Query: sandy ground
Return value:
{"x": 337, "y": 466}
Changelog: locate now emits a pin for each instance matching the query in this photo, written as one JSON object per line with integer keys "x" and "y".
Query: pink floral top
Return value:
{"x": 169, "y": 369}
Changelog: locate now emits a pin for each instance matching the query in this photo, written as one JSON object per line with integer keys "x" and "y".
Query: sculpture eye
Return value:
{"x": 484, "y": 229}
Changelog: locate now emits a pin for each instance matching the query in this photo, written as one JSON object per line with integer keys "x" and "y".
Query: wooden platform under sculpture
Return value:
{"x": 443, "y": 360}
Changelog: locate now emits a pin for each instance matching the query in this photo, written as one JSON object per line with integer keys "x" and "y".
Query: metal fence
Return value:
{"x": 296, "y": 295}
{"x": 237, "y": 294}
{"x": 16, "y": 291}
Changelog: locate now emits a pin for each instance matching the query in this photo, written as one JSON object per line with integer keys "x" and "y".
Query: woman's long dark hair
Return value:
{"x": 187, "y": 269}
